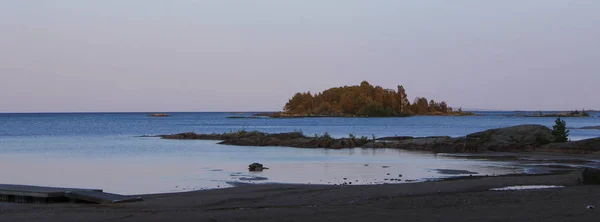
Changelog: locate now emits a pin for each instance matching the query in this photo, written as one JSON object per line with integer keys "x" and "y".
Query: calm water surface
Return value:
{"x": 103, "y": 150}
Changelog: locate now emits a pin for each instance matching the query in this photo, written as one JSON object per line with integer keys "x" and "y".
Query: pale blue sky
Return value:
{"x": 201, "y": 55}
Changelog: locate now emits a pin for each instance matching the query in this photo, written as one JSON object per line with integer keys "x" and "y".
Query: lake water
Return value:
{"x": 104, "y": 150}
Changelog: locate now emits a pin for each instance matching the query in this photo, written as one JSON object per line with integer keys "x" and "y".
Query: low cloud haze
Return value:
{"x": 223, "y": 55}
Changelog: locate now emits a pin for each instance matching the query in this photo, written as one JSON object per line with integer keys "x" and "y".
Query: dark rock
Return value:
{"x": 587, "y": 146}
{"x": 256, "y": 167}
{"x": 590, "y": 176}
{"x": 395, "y": 138}
{"x": 511, "y": 138}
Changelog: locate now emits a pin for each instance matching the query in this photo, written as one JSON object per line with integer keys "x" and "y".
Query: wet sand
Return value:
{"x": 467, "y": 199}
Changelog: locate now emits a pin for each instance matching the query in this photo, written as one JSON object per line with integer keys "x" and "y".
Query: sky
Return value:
{"x": 225, "y": 55}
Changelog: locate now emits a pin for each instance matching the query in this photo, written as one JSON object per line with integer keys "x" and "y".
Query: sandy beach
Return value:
{"x": 451, "y": 200}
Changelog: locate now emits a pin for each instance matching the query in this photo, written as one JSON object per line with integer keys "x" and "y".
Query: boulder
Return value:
{"x": 590, "y": 176}
{"x": 256, "y": 167}
{"x": 511, "y": 138}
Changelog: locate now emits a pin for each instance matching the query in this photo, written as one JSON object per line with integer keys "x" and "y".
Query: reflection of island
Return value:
{"x": 363, "y": 100}
{"x": 575, "y": 113}
{"x": 159, "y": 115}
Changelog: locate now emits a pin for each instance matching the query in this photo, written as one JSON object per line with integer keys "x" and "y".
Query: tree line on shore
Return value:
{"x": 365, "y": 100}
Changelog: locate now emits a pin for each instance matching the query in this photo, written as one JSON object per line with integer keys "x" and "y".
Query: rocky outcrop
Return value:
{"x": 588, "y": 146}
{"x": 255, "y": 138}
{"x": 193, "y": 136}
{"x": 510, "y": 139}
{"x": 516, "y": 138}
{"x": 442, "y": 144}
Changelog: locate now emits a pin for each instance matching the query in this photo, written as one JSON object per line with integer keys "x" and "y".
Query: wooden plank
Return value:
{"x": 100, "y": 197}
{"x": 37, "y": 191}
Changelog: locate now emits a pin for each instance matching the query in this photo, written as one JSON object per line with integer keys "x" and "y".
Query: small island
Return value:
{"x": 575, "y": 113}
{"x": 364, "y": 100}
{"x": 159, "y": 115}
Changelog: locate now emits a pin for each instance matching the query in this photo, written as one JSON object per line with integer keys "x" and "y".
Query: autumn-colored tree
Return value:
{"x": 362, "y": 100}
{"x": 420, "y": 105}
{"x": 403, "y": 103}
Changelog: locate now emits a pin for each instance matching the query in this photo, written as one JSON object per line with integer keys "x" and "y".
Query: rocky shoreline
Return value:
{"x": 521, "y": 138}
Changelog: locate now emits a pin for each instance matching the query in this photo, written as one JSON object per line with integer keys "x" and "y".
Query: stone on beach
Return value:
{"x": 591, "y": 176}
{"x": 256, "y": 167}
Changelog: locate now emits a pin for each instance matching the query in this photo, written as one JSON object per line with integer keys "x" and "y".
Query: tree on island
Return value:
{"x": 560, "y": 131}
{"x": 363, "y": 100}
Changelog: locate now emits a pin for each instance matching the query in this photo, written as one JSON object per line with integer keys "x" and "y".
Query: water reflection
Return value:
{"x": 194, "y": 165}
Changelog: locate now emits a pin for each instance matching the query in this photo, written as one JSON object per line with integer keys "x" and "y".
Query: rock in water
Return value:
{"x": 591, "y": 176}
{"x": 256, "y": 167}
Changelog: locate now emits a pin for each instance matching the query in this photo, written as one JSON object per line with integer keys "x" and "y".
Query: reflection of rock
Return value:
{"x": 253, "y": 178}
{"x": 454, "y": 172}
{"x": 591, "y": 176}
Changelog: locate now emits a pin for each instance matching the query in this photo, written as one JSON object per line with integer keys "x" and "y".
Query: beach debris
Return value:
{"x": 256, "y": 167}
{"x": 590, "y": 207}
